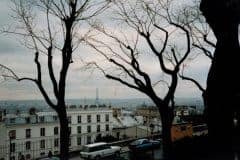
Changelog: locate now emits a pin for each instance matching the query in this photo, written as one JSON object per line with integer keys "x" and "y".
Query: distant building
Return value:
{"x": 185, "y": 110}
{"x": 128, "y": 125}
{"x": 35, "y": 134}
{"x": 181, "y": 130}
{"x": 116, "y": 112}
{"x": 148, "y": 113}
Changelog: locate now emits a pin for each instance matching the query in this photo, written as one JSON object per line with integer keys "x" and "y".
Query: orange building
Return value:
{"x": 181, "y": 130}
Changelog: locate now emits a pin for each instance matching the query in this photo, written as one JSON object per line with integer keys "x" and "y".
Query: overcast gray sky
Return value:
{"x": 80, "y": 84}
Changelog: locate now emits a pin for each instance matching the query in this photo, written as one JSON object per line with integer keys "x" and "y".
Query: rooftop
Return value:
{"x": 34, "y": 116}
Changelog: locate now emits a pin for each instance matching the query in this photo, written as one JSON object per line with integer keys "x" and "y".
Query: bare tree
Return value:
{"x": 52, "y": 34}
{"x": 154, "y": 25}
{"x": 225, "y": 30}
{"x": 202, "y": 44}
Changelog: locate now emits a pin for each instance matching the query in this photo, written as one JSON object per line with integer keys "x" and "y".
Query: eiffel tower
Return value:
{"x": 97, "y": 97}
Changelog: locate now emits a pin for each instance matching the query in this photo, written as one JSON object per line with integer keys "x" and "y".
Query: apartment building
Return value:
{"x": 34, "y": 134}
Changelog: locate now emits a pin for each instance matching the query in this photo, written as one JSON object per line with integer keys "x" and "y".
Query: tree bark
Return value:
{"x": 166, "y": 118}
{"x": 223, "y": 82}
{"x": 223, "y": 75}
{"x": 64, "y": 134}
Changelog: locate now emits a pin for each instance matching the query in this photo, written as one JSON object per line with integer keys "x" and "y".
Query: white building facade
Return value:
{"x": 128, "y": 125}
{"x": 34, "y": 135}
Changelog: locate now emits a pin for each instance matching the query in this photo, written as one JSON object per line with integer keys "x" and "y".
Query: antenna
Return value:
{"x": 97, "y": 97}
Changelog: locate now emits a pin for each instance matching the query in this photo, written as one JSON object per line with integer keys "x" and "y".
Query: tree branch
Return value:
{"x": 36, "y": 81}
{"x": 208, "y": 41}
{"x": 124, "y": 82}
{"x": 188, "y": 44}
{"x": 39, "y": 82}
{"x": 136, "y": 66}
{"x": 51, "y": 73}
{"x": 157, "y": 53}
{"x": 205, "y": 51}
{"x": 193, "y": 81}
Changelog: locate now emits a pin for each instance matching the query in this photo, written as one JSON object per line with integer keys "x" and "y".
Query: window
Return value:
{"x": 55, "y": 130}
{"x": 41, "y": 119}
{"x": 12, "y": 147}
{"x": 12, "y": 158}
{"x": 79, "y": 119}
{"x": 70, "y": 130}
{"x": 42, "y": 144}
{"x": 55, "y": 118}
{"x": 107, "y": 117}
{"x": 79, "y": 129}
{"x": 107, "y": 127}
{"x": 88, "y": 129}
{"x": 56, "y": 142}
{"x": 70, "y": 142}
{"x": 12, "y": 134}
{"x": 12, "y": 120}
{"x": 105, "y": 146}
{"x": 88, "y": 139}
{"x": 89, "y": 118}
{"x": 98, "y": 128}
{"x": 42, "y": 132}
{"x": 183, "y": 128}
{"x": 27, "y": 119}
{"x": 28, "y": 133}
{"x": 98, "y": 118}
{"x": 145, "y": 141}
{"x": 69, "y": 119}
{"x": 79, "y": 141}
{"x": 28, "y": 145}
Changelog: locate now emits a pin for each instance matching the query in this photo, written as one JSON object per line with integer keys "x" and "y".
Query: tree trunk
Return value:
{"x": 64, "y": 134}
{"x": 223, "y": 75}
{"x": 223, "y": 81}
{"x": 167, "y": 118}
{"x": 166, "y": 137}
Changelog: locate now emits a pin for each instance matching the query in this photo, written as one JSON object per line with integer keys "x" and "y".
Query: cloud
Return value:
{"x": 4, "y": 12}
{"x": 80, "y": 83}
